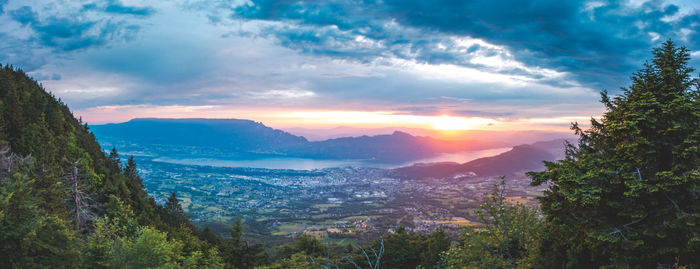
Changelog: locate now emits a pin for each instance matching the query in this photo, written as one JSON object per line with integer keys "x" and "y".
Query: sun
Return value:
{"x": 449, "y": 123}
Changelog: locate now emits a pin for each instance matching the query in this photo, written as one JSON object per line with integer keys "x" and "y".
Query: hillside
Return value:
{"x": 63, "y": 202}
{"x": 521, "y": 158}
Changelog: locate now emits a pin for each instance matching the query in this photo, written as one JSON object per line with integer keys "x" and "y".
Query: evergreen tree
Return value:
{"x": 174, "y": 210}
{"x": 114, "y": 157}
{"x": 627, "y": 195}
{"x": 210, "y": 237}
{"x": 29, "y": 236}
{"x": 437, "y": 242}
{"x": 130, "y": 170}
{"x": 238, "y": 253}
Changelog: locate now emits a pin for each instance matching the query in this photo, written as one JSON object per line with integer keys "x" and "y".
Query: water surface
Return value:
{"x": 310, "y": 164}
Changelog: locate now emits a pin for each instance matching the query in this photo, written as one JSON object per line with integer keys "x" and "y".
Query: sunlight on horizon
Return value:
{"x": 450, "y": 123}
{"x": 443, "y": 124}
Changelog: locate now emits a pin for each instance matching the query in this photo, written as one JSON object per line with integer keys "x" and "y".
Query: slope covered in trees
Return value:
{"x": 65, "y": 204}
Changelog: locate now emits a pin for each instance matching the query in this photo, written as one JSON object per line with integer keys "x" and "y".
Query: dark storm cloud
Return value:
{"x": 566, "y": 35}
{"x": 599, "y": 43}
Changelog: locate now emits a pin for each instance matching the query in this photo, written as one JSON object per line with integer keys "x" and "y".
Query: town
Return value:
{"x": 349, "y": 202}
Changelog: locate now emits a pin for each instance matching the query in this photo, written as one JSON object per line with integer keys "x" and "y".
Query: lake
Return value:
{"x": 310, "y": 164}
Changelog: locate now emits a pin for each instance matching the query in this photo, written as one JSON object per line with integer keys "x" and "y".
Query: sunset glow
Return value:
{"x": 449, "y": 123}
{"x": 383, "y": 118}
{"x": 323, "y": 119}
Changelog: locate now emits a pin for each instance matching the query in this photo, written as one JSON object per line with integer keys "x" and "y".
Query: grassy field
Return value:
{"x": 324, "y": 207}
{"x": 318, "y": 228}
{"x": 459, "y": 221}
{"x": 288, "y": 228}
{"x": 355, "y": 218}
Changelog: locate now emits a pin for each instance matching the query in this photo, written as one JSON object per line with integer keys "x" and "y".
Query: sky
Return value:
{"x": 443, "y": 64}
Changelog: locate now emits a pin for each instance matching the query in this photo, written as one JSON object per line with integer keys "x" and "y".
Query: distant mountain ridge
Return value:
{"x": 246, "y": 138}
{"x": 521, "y": 158}
{"x": 228, "y": 134}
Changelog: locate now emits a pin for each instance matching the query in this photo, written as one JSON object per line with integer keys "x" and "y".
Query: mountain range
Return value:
{"x": 237, "y": 138}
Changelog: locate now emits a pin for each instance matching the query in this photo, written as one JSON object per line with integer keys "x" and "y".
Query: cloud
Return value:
{"x": 283, "y": 94}
{"x": 69, "y": 30}
{"x": 601, "y": 43}
{"x": 116, "y": 7}
{"x": 24, "y": 15}
{"x": 43, "y": 76}
{"x": 518, "y": 60}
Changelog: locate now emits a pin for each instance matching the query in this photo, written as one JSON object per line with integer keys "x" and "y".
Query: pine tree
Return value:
{"x": 130, "y": 170}
{"x": 238, "y": 253}
{"x": 627, "y": 195}
{"x": 114, "y": 157}
{"x": 174, "y": 210}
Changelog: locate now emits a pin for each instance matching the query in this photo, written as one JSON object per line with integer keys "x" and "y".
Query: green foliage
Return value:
{"x": 150, "y": 248}
{"x": 30, "y": 237}
{"x": 238, "y": 253}
{"x": 209, "y": 259}
{"x": 404, "y": 249}
{"x": 175, "y": 213}
{"x": 36, "y": 228}
{"x": 210, "y": 237}
{"x": 296, "y": 260}
{"x": 118, "y": 242}
{"x": 303, "y": 243}
{"x": 627, "y": 196}
{"x": 507, "y": 239}
{"x": 131, "y": 171}
{"x": 401, "y": 249}
{"x": 117, "y": 224}
{"x": 114, "y": 158}
{"x": 309, "y": 252}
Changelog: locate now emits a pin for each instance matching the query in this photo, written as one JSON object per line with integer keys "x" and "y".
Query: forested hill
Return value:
{"x": 65, "y": 204}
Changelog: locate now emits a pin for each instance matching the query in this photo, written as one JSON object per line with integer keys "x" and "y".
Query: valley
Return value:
{"x": 221, "y": 170}
{"x": 347, "y": 202}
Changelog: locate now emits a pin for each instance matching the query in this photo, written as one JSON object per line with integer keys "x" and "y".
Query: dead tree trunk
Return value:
{"x": 82, "y": 203}
{"x": 76, "y": 194}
